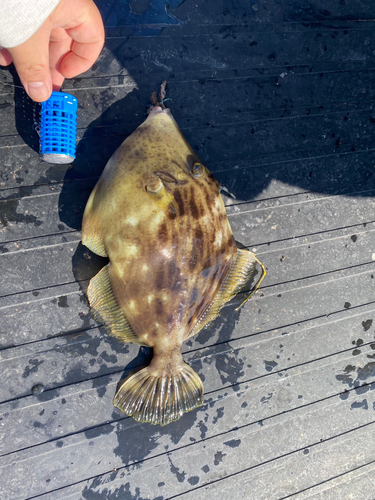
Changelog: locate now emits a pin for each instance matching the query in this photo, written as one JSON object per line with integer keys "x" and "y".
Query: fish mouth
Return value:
{"x": 158, "y": 109}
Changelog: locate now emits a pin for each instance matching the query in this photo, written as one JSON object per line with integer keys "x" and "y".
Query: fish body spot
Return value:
{"x": 132, "y": 249}
{"x": 198, "y": 234}
{"x": 132, "y": 220}
{"x": 167, "y": 253}
{"x": 180, "y": 202}
{"x": 120, "y": 271}
{"x": 218, "y": 239}
{"x": 193, "y": 206}
{"x": 159, "y": 308}
{"x": 193, "y": 261}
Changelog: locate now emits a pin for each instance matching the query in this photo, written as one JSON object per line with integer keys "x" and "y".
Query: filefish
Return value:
{"x": 157, "y": 214}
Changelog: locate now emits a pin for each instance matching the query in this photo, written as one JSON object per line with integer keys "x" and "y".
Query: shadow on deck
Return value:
{"x": 277, "y": 98}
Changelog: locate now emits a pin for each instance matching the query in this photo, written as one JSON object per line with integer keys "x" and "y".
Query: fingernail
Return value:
{"x": 37, "y": 90}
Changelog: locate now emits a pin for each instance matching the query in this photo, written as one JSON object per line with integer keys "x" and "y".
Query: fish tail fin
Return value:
{"x": 160, "y": 398}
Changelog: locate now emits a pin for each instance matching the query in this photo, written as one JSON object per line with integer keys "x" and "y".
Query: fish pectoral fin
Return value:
{"x": 242, "y": 271}
{"x": 94, "y": 243}
{"x": 159, "y": 194}
{"x": 91, "y": 228}
{"x": 160, "y": 398}
{"x": 257, "y": 284}
{"x": 105, "y": 309}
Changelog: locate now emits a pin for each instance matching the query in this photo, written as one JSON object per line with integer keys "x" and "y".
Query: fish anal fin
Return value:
{"x": 105, "y": 309}
{"x": 160, "y": 398}
{"x": 241, "y": 272}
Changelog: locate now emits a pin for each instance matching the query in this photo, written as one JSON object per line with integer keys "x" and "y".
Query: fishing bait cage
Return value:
{"x": 58, "y": 128}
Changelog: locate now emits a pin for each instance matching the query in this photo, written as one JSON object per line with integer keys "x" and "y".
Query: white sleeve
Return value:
{"x": 20, "y": 19}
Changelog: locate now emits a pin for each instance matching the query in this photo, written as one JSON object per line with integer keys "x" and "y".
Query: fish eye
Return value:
{"x": 197, "y": 169}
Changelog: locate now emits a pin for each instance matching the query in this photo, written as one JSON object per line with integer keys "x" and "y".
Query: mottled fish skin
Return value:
{"x": 157, "y": 213}
{"x": 166, "y": 265}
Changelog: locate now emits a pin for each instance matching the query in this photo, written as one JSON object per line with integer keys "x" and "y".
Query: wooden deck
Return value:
{"x": 277, "y": 97}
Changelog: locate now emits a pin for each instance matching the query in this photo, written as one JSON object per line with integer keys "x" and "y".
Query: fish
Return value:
{"x": 157, "y": 213}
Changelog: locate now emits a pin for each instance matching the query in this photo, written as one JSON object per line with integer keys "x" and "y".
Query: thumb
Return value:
{"x": 31, "y": 60}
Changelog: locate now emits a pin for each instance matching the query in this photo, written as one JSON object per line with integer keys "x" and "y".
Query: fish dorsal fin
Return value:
{"x": 241, "y": 272}
{"x": 159, "y": 194}
{"x": 105, "y": 309}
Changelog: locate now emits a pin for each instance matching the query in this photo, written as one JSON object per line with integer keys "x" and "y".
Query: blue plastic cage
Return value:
{"x": 58, "y": 128}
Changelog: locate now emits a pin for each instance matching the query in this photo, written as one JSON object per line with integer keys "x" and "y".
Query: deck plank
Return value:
{"x": 222, "y": 455}
{"x": 277, "y": 99}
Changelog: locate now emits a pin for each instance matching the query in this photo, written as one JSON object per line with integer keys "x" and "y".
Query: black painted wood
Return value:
{"x": 277, "y": 99}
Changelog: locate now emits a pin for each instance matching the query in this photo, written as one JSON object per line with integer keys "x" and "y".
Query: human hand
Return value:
{"x": 66, "y": 44}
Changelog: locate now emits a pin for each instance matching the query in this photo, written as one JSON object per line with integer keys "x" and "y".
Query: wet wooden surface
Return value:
{"x": 277, "y": 99}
